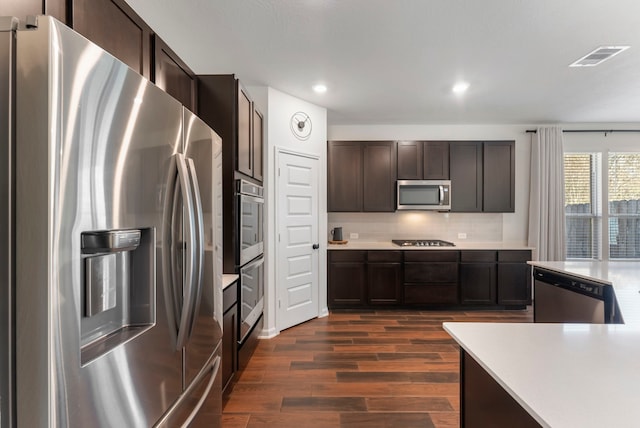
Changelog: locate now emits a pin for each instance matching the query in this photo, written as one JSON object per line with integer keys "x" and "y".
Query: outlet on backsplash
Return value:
{"x": 353, "y": 235}
{"x": 462, "y": 235}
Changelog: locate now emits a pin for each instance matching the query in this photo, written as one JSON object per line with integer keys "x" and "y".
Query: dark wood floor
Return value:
{"x": 357, "y": 369}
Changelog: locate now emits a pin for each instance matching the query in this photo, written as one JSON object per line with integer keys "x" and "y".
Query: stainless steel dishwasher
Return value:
{"x": 563, "y": 298}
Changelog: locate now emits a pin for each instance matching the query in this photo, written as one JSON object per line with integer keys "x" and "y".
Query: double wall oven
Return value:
{"x": 251, "y": 265}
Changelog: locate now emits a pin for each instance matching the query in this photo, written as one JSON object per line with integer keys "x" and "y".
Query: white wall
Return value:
{"x": 278, "y": 108}
{"x": 507, "y": 227}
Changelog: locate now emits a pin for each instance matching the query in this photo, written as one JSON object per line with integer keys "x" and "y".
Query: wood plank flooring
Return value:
{"x": 357, "y": 369}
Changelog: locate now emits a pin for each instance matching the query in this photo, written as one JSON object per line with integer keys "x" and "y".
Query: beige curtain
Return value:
{"x": 546, "y": 195}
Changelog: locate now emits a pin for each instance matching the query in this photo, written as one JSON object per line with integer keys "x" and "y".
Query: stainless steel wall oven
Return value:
{"x": 251, "y": 203}
{"x": 251, "y": 267}
{"x": 251, "y": 295}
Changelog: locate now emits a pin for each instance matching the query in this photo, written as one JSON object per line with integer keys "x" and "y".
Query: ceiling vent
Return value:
{"x": 598, "y": 56}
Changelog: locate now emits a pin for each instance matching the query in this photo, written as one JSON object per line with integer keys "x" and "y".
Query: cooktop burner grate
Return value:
{"x": 422, "y": 243}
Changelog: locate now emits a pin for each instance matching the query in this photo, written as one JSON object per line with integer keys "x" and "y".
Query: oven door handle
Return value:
{"x": 254, "y": 264}
{"x": 256, "y": 199}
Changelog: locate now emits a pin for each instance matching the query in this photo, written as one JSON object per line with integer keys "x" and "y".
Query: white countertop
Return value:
{"x": 564, "y": 375}
{"x": 388, "y": 245}
{"x": 228, "y": 279}
{"x": 624, "y": 277}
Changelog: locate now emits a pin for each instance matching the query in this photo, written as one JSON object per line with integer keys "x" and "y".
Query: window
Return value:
{"x": 589, "y": 182}
{"x": 624, "y": 205}
{"x": 583, "y": 218}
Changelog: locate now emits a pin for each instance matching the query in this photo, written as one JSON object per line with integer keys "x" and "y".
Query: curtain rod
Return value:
{"x": 606, "y": 131}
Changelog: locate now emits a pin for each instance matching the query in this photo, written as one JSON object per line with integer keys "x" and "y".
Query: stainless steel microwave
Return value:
{"x": 424, "y": 195}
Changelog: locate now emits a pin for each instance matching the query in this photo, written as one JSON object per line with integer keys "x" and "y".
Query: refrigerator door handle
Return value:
{"x": 190, "y": 259}
{"x": 170, "y": 252}
{"x": 174, "y": 417}
{"x": 214, "y": 371}
{"x": 196, "y": 283}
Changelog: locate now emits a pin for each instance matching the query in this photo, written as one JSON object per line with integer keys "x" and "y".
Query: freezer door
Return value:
{"x": 94, "y": 145}
{"x": 7, "y": 48}
{"x": 200, "y": 406}
{"x": 203, "y": 152}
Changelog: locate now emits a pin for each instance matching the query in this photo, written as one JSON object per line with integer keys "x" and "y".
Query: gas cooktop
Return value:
{"x": 422, "y": 243}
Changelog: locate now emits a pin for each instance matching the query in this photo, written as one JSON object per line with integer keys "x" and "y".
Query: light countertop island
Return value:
{"x": 568, "y": 375}
{"x": 563, "y": 375}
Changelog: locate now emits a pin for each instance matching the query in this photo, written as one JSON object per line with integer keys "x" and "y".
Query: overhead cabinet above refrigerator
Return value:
{"x": 111, "y": 304}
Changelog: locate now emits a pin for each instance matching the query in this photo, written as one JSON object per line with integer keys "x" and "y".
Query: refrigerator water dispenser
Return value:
{"x": 118, "y": 293}
{"x": 100, "y": 284}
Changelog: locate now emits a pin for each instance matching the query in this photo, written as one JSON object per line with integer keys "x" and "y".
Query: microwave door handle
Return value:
{"x": 441, "y": 195}
{"x": 187, "y": 197}
{"x": 196, "y": 282}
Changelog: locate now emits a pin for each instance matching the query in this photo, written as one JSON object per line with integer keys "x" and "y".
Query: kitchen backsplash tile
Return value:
{"x": 485, "y": 227}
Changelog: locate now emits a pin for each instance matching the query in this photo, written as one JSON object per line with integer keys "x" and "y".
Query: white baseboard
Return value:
{"x": 268, "y": 333}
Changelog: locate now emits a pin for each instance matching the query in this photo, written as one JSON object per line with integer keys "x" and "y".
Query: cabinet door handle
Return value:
{"x": 315, "y": 246}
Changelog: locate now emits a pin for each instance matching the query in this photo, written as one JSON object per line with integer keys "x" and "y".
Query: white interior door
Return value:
{"x": 297, "y": 261}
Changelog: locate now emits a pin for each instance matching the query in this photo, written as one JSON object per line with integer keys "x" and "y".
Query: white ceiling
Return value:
{"x": 395, "y": 61}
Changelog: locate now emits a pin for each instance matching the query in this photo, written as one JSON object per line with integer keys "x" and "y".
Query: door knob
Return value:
{"x": 315, "y": 246}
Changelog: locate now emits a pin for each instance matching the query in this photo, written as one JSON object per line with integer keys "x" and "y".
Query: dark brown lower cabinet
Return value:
{"x": 431, "y": 277}
{"x": 514, "y": 278}
{"x": 359, "y": 278}
{"x": 478, "y": 279}
{"x": 347, "y": 279}
{"x": 430, "y": 294}
{"x": 229, "y": 335}
{"x": 484, "y": 403}
{"x": 384, "y": 278}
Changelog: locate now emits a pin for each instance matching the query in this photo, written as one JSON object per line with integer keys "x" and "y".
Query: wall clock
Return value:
{"x": 301, "y": 125}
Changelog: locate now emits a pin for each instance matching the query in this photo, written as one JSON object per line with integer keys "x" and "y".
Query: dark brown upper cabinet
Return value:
{"x": 499, "y": 176}
{"x": 23, "y": 8}
{"x": 436, "y": 160}
{"x": 115, "y": 27}
{"x": 423, "y": 160}
{"x": 361, "y": 176}
{"x": 482, "y": 176}
{"x": 344, "y": 176}
{"x": 258, "y": 144}
{"x": 244, "y": 159}
{"x": 173, "y": 76}
{"x": 466, "y": 176}
{"x": 410, "y": 165}
{"x": 379, "y": 176}
{"x": 227, "y": 108}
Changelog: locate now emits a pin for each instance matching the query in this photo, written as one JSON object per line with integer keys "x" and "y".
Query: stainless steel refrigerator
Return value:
{"x": 110, "y": 242}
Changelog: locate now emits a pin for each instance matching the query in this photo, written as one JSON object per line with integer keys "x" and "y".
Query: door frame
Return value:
{"x": 322, "y": 306}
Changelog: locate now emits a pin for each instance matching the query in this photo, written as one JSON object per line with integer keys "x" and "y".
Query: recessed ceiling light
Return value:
{"x": 320, "y": 89}
{"x": 460, "y": 87}
{"x": 598, "y": 56}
